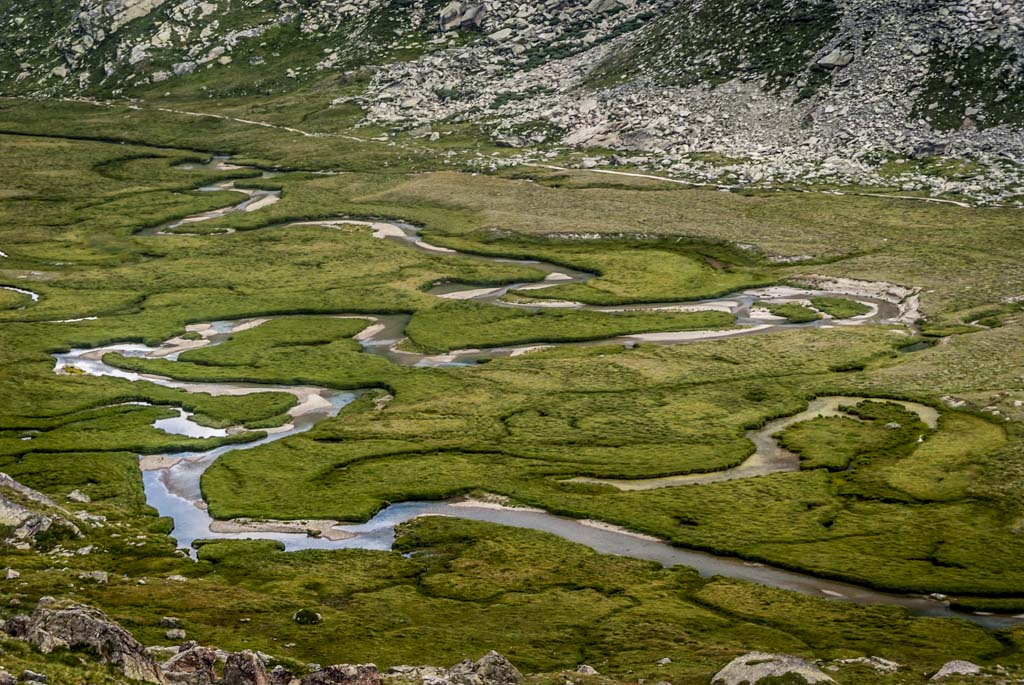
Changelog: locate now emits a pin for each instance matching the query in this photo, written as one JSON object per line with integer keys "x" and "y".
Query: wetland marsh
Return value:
{"x": 418, "y": 401}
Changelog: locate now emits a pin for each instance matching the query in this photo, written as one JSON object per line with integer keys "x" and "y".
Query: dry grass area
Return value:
{"x": 961, "y": 257}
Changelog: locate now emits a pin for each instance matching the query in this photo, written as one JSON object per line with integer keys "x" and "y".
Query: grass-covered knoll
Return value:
{"x": 119, "y": 428}
{"x": 460, "y": 325}
{"x": 840, "y": 307}
{"x": 792, "y": 311}
{"x": 874, "y": 431}
{"x": 245, "y": 348}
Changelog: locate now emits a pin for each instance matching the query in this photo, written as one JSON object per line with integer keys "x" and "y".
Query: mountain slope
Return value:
{"x": 810, "y": 90}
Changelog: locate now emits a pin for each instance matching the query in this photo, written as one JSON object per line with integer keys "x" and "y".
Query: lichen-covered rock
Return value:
{"x": 77, "y": 626}
{"x": 245, "y": 668}
{"x": 752, "y": 668}
{"x": 344, "y": 674}
{"x": 958, "y": 667}
{"x": 490, "y": 669}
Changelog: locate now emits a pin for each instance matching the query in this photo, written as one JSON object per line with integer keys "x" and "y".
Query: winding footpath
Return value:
{"x": 172, "y": 482}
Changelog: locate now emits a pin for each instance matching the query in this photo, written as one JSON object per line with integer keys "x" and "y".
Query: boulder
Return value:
{"x": 77, "y": 626}
{"x": 7, "y": 679}
{"x": 191, "y": 666}
{"x": 100, "y": 577}
{"x": 490, "y": 669}
{"x": 245, "y": 668}
{"x": 450, "y": 16}
{"x": 344, "y": 674}
{"x": 280, "y": 676}
{"x": 28, "y": 676}
{"x": 501, "y": 36}
{"x": 876, "y": 662}
{"x": 837, "y": 58}
{"x": 602, "y": 6}
{"x": 458, "y": 15}
{"x": 307, "y": 617}
{"x": 474, "y": 16}
{"x": 78, "y": 496}
{"x": 958, "y": 667}
{"x": 16, "y": 626}
{"x": 754, "y": 667}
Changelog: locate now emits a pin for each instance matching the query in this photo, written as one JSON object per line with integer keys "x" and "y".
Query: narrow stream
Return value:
{"x": 172, "y": 482}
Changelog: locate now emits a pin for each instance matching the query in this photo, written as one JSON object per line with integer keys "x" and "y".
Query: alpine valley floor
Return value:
{"x": 205, "y": 321}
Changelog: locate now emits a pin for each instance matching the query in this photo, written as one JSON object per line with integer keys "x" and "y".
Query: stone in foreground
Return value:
{"x": 76, "y": 626}
{"x": 344, "y": 674}
{"x": 491, "y": 669}
{"x": 245, "y": 668}
{"x": 752, "y": 668}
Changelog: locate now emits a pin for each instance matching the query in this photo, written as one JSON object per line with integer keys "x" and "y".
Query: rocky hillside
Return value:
{"x": 772, "y": 87}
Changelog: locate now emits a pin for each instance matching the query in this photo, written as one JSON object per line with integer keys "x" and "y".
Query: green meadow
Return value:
{"x": 880, "y": 499}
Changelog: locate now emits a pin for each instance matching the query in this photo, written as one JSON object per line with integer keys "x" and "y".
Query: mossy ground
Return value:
{"x": 878, "y": 507}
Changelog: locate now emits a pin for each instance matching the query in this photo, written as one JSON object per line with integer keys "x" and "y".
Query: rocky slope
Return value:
{"x": 823, "y": 90}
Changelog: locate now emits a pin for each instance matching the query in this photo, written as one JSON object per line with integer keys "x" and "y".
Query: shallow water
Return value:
{"x": 32, "y": 295}
{"x": 182, "y": 424}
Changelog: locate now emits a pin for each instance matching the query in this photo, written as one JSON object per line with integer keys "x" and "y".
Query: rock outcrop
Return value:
{"x": 245, "y": 668}
{"x": 76, "y": 626}
{"x": 490, "y": 669}
{"x": 192, "y": 665}
{"x": 28, "y": 513}
{"x": 344, "y": 674}
{"x": 752, "y": 668}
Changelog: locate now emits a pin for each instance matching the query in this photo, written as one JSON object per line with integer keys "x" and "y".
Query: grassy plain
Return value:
{"x": 871, "y": 505}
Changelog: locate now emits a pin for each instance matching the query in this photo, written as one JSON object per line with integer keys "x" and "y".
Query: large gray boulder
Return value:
{"x": 490, "y": 669}
{"x": 457, "y": 15}
{"x": 245, "y": 668}
{"x": 955, "y": 668}
{"x": 752, "y": 668}
{"x": 77, "y": 626}
{"x": 344, "y": 674}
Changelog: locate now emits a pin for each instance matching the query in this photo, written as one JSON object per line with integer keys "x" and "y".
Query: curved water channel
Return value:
{"x": 172, "y": 481}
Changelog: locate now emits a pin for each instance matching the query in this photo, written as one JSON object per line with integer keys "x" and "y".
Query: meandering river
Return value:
{"x": 172, "y": 482}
